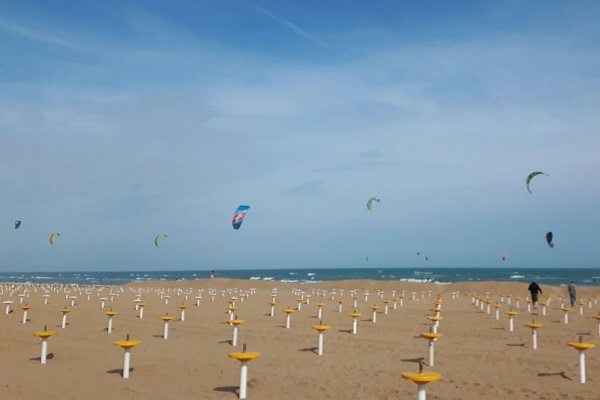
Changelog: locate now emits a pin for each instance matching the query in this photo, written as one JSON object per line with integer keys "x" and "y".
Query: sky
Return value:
{"x": 123, "y": 120}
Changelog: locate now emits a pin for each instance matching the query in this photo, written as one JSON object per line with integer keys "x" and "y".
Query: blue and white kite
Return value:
{"x": 239, "y": 216}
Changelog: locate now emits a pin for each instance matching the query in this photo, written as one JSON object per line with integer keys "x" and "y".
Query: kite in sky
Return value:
{"x": 503, "y": 257}
{"x": 370, "y": 203}
{"x": 157, "y": 238}
{"x": 17, "y": 224}
{"x": 52, "y": 236}
{"x": 530, "y": 177}
{"x": 238, "y": 216}
{"x": 549, "y": 239}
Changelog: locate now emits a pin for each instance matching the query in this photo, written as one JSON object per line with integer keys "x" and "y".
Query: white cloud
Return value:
{"x": 290, "y": 25}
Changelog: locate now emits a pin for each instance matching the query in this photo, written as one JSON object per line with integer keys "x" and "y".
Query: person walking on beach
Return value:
{"x": 212, "y": 274}
{"x": 572, "y": 292}
{"x": 534, "y": 289}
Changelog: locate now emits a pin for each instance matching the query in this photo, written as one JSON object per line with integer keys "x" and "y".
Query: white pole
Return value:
{"x": 320, "y": 343}
{"x": 235, "y": 335}
{"x": 581, "y": 367}
{"x": 511, "y": 323}
{"x": 126, "y": 357}
{"x": 355, "y": 325}
{"x": 44, "y": 350}
{"x": 534, "y": 337}
{"x": 64, "y": 320}
{"x": 166, "y": 331}
{"x": 421, "y": 395}
{"x": 431, "y": 360}
{"x": 287, "y": 321}
{"x": 243, "y": 379}
{"x": 109, "y": 324}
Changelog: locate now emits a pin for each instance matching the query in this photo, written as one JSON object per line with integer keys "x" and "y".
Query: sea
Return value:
{"x": 554, "y": 277}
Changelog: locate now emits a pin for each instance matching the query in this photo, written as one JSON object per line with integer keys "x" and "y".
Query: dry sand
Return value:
{"x": 477, "y": 355}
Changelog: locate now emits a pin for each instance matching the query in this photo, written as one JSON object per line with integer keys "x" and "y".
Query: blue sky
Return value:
{"x": 123, "y": 120}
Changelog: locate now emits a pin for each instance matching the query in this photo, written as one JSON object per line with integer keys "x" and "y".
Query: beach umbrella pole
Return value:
{"x": 126, "y": 362}
{"x": 44, "y": 350}
{"x": 581, "y": 367}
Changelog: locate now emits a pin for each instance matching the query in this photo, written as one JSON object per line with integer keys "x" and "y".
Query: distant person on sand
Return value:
{"x": 534, "y": 289}
{"x": 212, "y": 274}
{"x": 572, "y": 292}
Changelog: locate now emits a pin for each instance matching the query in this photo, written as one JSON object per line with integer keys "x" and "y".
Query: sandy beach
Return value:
{"x": 477, "y": 355}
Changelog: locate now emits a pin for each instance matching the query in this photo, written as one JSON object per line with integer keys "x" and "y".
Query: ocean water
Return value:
{"x": 554, "y": 277}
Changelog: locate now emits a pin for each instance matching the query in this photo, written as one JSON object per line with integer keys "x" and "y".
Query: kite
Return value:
{"x": 418, "y": 251}
{"x": 370, "y": 203}
{"x": 503, "y": 257}
{"x": 17, "y": 224}
{"x": 549, "y": 238}
{"x": 238, "y": 216}
{"x": 52, "y": 236}
{"x": 530, "y": 177}
{"x": 157, "y": 238}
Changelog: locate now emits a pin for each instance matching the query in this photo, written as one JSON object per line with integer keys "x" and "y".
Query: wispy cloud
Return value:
{"x": 307, "y": 188}
{"x": 371, "y": 154}
{"x": 35, "y": 35}
{"x": 355, "y": 165}
{"x": 290, "y": 25}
